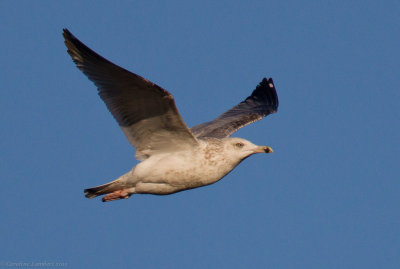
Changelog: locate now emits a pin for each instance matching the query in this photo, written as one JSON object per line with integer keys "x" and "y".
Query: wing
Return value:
{"x": 145, "y": 112}
{"x": 262, "y": 102}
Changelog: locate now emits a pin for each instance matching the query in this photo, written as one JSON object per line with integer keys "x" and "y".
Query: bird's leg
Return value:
{"x": 116, "y": 195}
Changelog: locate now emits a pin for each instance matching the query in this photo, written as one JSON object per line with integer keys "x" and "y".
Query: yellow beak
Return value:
{"x": 263, "y": 149}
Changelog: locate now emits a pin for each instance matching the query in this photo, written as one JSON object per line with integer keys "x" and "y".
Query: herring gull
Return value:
{"x": 173, "y": 157}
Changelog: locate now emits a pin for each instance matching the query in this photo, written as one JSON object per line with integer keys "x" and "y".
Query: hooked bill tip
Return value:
{"x": 268, "y": 150}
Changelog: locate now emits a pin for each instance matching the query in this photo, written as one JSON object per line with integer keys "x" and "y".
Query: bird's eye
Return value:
{"x": 239, "y": 145}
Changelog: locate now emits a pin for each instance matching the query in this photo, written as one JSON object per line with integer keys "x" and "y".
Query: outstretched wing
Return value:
{"x": 262, "y": 102}
{"x": 145, "y": 112}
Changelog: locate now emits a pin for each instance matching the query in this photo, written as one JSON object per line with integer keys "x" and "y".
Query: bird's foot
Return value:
{"x": 116, "y": 195}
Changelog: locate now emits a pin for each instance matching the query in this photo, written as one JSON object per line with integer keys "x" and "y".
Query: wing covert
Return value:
{"x": 146, "y": 113}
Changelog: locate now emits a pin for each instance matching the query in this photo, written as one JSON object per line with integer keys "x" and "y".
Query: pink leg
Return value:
{"x": 116, "y": 195}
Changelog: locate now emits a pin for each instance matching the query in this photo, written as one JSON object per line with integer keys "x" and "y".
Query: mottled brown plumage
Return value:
{"x": 174, "y": 157}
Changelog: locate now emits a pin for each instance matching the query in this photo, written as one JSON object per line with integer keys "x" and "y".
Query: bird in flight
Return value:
{"x": 173, "y": 157}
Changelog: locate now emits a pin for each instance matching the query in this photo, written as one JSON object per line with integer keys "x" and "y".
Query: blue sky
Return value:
{"x": 327, "y": 198}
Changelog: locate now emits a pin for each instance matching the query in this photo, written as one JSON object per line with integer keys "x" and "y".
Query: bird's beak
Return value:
{"x": 263, "y": 149}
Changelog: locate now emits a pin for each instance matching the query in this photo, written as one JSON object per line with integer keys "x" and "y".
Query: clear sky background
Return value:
{"x": 327, "y": 198}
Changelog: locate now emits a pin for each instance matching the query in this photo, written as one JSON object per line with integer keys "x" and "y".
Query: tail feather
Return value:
{"x": 104, "y": 189}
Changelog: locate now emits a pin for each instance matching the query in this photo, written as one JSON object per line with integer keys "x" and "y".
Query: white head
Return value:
{"x": 241, "y": 148}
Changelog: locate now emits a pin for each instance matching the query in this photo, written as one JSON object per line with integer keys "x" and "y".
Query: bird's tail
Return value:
{"x": 112, "y": 186}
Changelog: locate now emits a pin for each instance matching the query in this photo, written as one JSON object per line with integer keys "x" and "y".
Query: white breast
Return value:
{"x": 198, "y": 167}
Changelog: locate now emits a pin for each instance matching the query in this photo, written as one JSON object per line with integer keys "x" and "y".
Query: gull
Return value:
{"x": 173, "y": 157}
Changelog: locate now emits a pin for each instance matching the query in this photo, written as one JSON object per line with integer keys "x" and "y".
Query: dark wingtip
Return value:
{"x": 73, "y": 43}
{"x": 69, "y": 40}
{"x": 266, "y": 90}
{"x": 67, "y": 34}
{"x": 267, "y": 82}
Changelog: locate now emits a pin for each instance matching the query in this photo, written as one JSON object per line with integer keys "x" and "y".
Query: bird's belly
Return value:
{"x": 183, "y": 172}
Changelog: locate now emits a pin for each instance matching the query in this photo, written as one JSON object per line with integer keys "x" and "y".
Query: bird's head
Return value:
{"x": 242, "y": 148}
